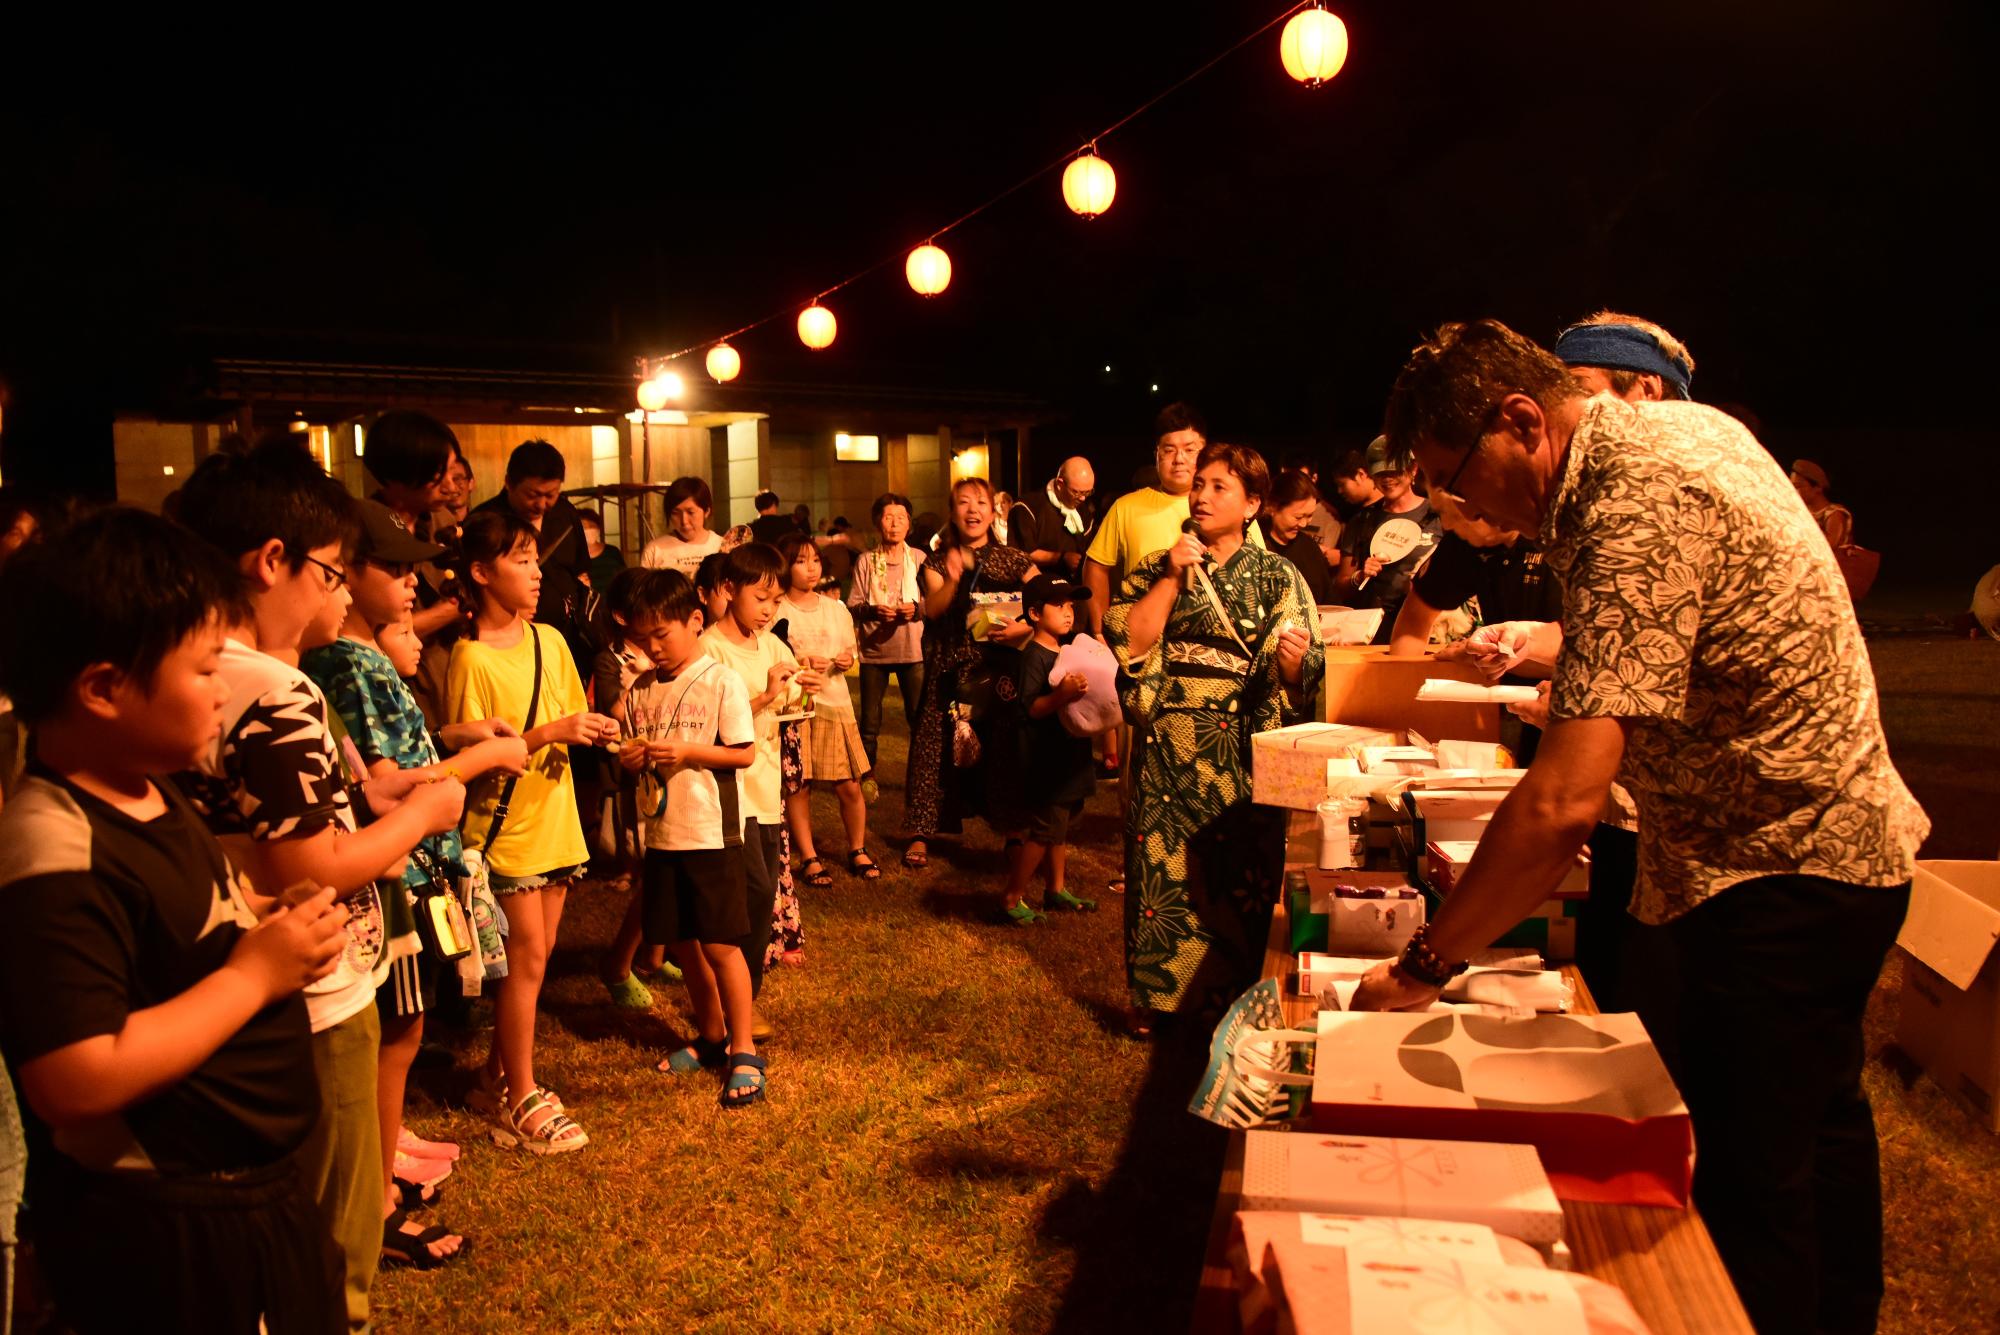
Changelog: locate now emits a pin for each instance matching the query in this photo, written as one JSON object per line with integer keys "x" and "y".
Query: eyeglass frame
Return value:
{"x": 335, "y": 576}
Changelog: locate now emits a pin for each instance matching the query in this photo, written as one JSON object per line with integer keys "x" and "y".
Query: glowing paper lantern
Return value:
{"x": 723, "y": 363}
{"x": 816, "y": 326}
{"x": 1088, "y": 184}
{"x": 652, "y": 395}
{"x": 928, "y": 269}
{"x": 1313, "y": 47}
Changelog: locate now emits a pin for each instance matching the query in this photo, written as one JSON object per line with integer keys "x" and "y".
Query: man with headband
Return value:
{"x": 1710, "y": 658}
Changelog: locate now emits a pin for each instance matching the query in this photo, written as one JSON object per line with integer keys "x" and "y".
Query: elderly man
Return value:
{"x": 1707, "y": 639}
{"x": 1055, "y": 528}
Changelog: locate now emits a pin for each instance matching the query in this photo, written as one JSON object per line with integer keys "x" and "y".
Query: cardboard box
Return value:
{"x": 1588, "y": 1091}
{"x": 1367, "y": 913}
{"x": 1445, "y": 861}
{"x": 1500, "y": 1186}
{"x": 1290, "y": 767}
{"x": 1950, "y": 1022}
{"x": 1364, "y": 685}
{"x": 1333, "y": 1291}
{"x": 1252, "y": 1232}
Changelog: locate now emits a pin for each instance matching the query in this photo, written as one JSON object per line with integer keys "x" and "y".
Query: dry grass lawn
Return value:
{"x": 955, "y": 1141}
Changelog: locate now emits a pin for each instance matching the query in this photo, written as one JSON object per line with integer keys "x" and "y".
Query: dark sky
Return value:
{"x": 1790, "y": 187}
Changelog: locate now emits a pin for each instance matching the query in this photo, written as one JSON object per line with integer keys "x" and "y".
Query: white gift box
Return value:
{"x": 1292, "y": 767}
{"x": 1500, "y": 1186}
{"x": 1364, "y": 919}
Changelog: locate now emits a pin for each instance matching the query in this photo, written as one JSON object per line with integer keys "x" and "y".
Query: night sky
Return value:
{"x": 1789, "y": 187}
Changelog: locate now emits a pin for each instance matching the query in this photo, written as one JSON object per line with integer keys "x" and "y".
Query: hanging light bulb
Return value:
{"x": 652, "y": 394}
{"x": 1314, "y": 46}
{"x": 816, "y": 326}
{"x": 1088, "y": 183}
{"x": 929, "y": 269}
{"x": 723, "y": 363}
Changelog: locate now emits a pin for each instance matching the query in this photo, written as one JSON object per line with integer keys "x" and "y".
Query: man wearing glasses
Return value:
{"x": 1709, "y": 646}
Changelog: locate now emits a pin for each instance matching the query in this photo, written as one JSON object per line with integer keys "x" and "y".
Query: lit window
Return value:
{"x": 857, "y": 449}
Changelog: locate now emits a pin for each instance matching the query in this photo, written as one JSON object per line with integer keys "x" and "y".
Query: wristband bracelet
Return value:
{"x": 1426, "y": 965}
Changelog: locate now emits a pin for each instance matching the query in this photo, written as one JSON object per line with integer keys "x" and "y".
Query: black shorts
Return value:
{"x": 411, "y": 988}
{"x": 1047, "y": 825}
{"x": 693, "y": 894}
{"x": 236, "y": 1256}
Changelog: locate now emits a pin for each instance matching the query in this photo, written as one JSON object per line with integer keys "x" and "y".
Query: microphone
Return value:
{"x": 1187, "y": 576}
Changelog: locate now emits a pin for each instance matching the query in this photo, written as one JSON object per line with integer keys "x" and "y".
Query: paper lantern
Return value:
{"x": 816, "y": 326}
{"x": 928, "y": 269}
{"x": 652, "y": 394}
{"x": 723, "y": 363}
{"x": 1088, "y": 184}
{"x": 1313, "y": 47}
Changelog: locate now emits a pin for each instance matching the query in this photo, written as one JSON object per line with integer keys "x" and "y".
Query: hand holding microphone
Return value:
{"x": 1188, "y": 553}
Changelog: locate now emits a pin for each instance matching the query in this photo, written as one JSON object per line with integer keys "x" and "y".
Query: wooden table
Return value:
{"x": 1663, "y": 1259}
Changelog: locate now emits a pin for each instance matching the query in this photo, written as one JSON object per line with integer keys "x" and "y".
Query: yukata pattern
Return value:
{"x": 1203, "y": 866}
{"x": 788, "y": 932}
{"x": 1702, "y": 604}
{"x": 933, "y": 796}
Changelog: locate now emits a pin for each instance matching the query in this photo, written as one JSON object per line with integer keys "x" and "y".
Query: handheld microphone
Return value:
{"x": 1187, "y": 576}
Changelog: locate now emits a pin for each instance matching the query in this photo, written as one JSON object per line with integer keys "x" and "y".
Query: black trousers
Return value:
{"x": 875, "y": 687}
{"x": 762, "y": 864}
{"x": 1629, "y": 965}
{"x": 1775, "y": 974}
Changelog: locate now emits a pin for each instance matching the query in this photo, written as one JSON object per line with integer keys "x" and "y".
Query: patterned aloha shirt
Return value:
{"x": 1702, "y": 602}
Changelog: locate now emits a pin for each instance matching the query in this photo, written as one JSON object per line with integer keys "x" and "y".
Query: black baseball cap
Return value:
{"x": 1045, "y": 589}
{"x": 385, "y": 541}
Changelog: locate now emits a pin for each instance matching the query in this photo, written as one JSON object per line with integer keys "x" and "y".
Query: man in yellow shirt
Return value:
{"x": 1148, "y": 520}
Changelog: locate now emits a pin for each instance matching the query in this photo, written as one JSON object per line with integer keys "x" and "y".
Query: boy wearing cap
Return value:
{"x": 382, "y": 731}
{"x": 1057, "y": 771}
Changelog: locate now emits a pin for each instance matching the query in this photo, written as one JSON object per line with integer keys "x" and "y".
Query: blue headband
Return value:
{"x": 1623, "y": 347}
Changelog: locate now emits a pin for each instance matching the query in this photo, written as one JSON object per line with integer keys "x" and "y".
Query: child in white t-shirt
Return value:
{"x": 688, "y": 735}
{"x": 821, "y": 633}
{"x": 741, "y": 641}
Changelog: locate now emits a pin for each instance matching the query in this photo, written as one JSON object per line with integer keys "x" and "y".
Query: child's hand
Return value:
{"x": 909, "y": 611}
{"x": 883, "y": 612}
{"x": 1012, "y": 635}
{"x": 296, "y": 944}
{"x": 441, "y": 803}
{"x": 774, "y": 685}
{"x": 584, "y": 729}
{"x": 844, "y": 662}
{"x": 809, "y": 679}
{"x": 633, "y": 754}
{"x": 509, "y": 755}
{"x": 1073, "y": 687}
{"x": 459, "y": 736}
{"x": 669, "y": 755}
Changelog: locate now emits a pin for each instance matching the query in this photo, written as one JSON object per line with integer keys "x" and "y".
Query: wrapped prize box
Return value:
{"x": 1500, "y": 1186}
{"x": 1289, "y": 767}
{"x": 1253, "y": 1231}
{"x": 1339, "y": 1291}
{"x": 1367, "y": 913}
{"x": 1588, "y": 1091}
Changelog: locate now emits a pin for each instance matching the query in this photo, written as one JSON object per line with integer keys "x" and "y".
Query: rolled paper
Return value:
{"x": 1471, "y": 693}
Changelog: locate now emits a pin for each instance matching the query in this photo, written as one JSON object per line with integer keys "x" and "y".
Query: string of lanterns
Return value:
{"x": 1312, "y": 49}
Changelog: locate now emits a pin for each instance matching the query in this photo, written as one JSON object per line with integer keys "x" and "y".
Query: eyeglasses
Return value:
{"x": 334, "y": 575}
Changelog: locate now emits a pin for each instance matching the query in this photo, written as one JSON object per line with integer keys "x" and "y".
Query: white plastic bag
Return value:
{"x": 1097, "y": 708}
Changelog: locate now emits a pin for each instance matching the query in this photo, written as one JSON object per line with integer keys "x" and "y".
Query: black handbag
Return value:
{"x": 441, "y": 922}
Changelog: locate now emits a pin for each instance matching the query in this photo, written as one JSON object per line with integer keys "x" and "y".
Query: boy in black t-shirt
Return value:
{"x": 1057, "y": 771}
{"x": 154, "y": 1025}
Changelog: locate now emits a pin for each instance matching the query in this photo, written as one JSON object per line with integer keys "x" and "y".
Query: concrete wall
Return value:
{"x": 153, "y": 459}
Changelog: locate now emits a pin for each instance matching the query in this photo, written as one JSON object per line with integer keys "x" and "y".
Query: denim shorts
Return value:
{"x": 514, "y": 885}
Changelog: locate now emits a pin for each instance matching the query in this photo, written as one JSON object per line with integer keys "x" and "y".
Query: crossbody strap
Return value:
{"x": 501, "y": 808}
{"x": 1215, "y": 601}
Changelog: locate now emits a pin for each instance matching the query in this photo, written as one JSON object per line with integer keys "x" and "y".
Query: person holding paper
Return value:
{"x": 1216, "y": 640}
{"x": 1708, "y": 643}
{"x": 1366, "y": 577}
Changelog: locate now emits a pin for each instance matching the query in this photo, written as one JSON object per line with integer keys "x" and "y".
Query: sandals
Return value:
{"x": 914, "y": 860}
{"x": 860, "y": 864}
{"x": 815, "y": 874}
{"x": 418, "y": 1179}
{"x": 410, "y": 1143}
{"x": 538, "y": 1125}
{"x": 1021, "y": 916}
{"x": 1063, "y": 899}
{"x": 1115, "y": 886}
{"x": 400, "y": 1246}
{"x": 703, "y": 1054}
{"x": 745, "y": 1085}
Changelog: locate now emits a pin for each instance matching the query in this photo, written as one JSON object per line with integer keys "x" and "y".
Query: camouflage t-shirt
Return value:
{"x": 1701, "y": 602}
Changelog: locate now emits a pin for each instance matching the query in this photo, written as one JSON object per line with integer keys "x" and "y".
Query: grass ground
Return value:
{"x": 956, "y": 1141}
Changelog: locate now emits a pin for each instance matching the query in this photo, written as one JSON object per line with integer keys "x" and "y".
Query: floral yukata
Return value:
{"x": 1202, "y": 864}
